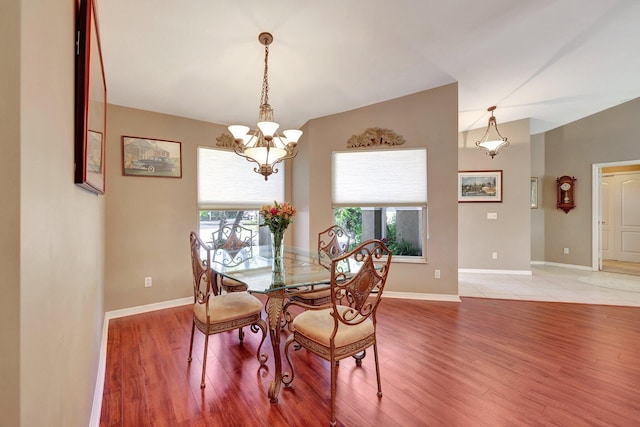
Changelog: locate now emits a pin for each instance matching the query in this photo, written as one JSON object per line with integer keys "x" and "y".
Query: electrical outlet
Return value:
{"x": 436, "y": 274}
{"x": 492, "y": 215}
{"x": 566, "y": 251}
{"x": 148, "y": 282}
{"x": 494, "y": 255}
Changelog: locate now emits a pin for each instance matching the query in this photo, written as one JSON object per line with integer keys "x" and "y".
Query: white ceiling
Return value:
{"x": 553, "y": 61}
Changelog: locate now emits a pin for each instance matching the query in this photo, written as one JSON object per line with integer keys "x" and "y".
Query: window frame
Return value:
{"x": 419, "y": 203}
{"x": 244, "y": 178}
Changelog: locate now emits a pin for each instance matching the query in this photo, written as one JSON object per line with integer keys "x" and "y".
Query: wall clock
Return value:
{"x": 566, "y": 193}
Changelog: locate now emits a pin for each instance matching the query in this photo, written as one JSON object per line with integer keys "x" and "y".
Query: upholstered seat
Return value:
{"x": 317, "y": 325}
{"x": 348, "y": 326}
{"x": 228, "y": 308}
{"x": 317, "y": 296}
{"x": 232, "y": 285}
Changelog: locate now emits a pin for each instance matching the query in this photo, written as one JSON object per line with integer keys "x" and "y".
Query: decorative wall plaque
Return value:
{"x": 225, "y": 140}
{"x": 375, "y": 136}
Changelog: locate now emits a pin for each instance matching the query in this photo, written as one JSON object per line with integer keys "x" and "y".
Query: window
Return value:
{"x": 230, "y": 192}
{"x": 382, "y": 194}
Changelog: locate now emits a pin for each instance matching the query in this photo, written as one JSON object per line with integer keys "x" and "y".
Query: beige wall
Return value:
{"x": 510, "y": 234}
{"x": 149, "y": 218}
{"x": 537, "y": 215}
{"x": 301, "y": 190}
{"x": 425, "y": 119}
{"x": 608, "y": 136}
{"x": 10, "y": 213}
{"x": 52, "y": 233}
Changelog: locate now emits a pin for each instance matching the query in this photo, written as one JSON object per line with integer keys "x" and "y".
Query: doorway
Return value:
{"x": 616, "y": 217}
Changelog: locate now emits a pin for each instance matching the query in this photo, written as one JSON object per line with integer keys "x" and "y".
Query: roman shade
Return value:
{"x": 227, "y": 181}
{"x": 379, "y": 178}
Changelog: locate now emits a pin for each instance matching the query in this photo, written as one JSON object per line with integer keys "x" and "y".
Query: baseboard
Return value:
{"x": 96, "y": 408}
{"x": 484, "y": 271}
{"x": 575, "y": 267}
{"x": 130, "y": 311}
{"x": 420, "y": 296}
{"x": 524, "y": 272}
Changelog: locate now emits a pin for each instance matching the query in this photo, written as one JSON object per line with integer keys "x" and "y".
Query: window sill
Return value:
{"x": 409, "y": 260}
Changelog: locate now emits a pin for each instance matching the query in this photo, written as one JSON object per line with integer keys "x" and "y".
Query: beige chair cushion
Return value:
{"x": 225, "y": 307}
{"x": 317, "y": 325}
{"x": 324, "y": 291}
{"x": 228, "y": 282}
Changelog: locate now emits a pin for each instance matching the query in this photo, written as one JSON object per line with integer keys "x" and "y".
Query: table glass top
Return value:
{"x": 301, "y": 268}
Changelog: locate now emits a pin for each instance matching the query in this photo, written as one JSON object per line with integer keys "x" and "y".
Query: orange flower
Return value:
{"x": 277, "y": 217}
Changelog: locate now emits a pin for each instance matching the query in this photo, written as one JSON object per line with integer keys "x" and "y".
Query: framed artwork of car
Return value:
{"x": 151, "y": 157}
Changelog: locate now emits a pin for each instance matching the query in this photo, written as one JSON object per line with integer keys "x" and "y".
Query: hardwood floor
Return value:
{"x": 481, "y": 362}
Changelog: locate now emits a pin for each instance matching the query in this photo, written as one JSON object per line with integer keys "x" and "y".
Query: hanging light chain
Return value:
{"x": 266, "y": 113}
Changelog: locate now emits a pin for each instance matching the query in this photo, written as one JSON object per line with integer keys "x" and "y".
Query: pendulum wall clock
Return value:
{"x": 566, "y": 193}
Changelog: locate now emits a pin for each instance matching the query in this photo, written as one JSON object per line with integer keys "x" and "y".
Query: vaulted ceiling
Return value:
{"x": 553, "y": 61}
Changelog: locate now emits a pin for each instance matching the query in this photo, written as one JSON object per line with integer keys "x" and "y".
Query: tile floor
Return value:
{"x": 552, "y": 283}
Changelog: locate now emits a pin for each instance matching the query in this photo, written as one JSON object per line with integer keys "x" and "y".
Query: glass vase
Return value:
{"x": 277, "y": 260}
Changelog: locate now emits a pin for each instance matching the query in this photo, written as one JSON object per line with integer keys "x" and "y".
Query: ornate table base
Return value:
{"x": 273, "y": 308}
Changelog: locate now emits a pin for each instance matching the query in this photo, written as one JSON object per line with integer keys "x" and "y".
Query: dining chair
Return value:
{"x": 348, "y": 326}
{"x": 332, "y": 242}
{"x": 232, "y": 245}
{"x": 214, "y": 311}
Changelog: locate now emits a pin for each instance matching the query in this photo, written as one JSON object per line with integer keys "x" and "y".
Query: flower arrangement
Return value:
{"x": 277, "y": 217}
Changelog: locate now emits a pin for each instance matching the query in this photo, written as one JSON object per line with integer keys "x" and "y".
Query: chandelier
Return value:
{"x": 264, "y": 145}
{"x": 492, "y": 141}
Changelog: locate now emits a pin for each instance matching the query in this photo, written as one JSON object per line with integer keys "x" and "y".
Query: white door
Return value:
{"x": 623, "y": 216}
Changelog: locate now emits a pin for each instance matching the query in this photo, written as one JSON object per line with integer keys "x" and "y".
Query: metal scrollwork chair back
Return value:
{"x": 332, "y": 242}
{"x": 347, "y": 327}
{"x": 215, "y": 312}
{"x": 232, "y": 245}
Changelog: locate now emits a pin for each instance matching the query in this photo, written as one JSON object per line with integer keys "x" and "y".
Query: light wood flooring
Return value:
{"x": 557, "y": 284}
{"x": 480, "y": 362}
{"x": 622, "y": 267}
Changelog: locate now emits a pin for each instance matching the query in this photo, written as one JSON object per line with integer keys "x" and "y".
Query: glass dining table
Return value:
{"x": 302, "y": 271}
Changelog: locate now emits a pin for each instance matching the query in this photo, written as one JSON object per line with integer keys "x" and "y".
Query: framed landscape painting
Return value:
{"x": 151, "y": 157}
{"x": 534, "y": 192}
{"x": 480, "y": 186}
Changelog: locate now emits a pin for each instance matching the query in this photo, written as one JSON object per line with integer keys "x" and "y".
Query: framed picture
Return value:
{"x": 480, "y": 186}
{"x": 151, "y": 157}
{"x": 534, "y": 192}
{"x": 95, "y": 152}
{"x": 91, "y": 103}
